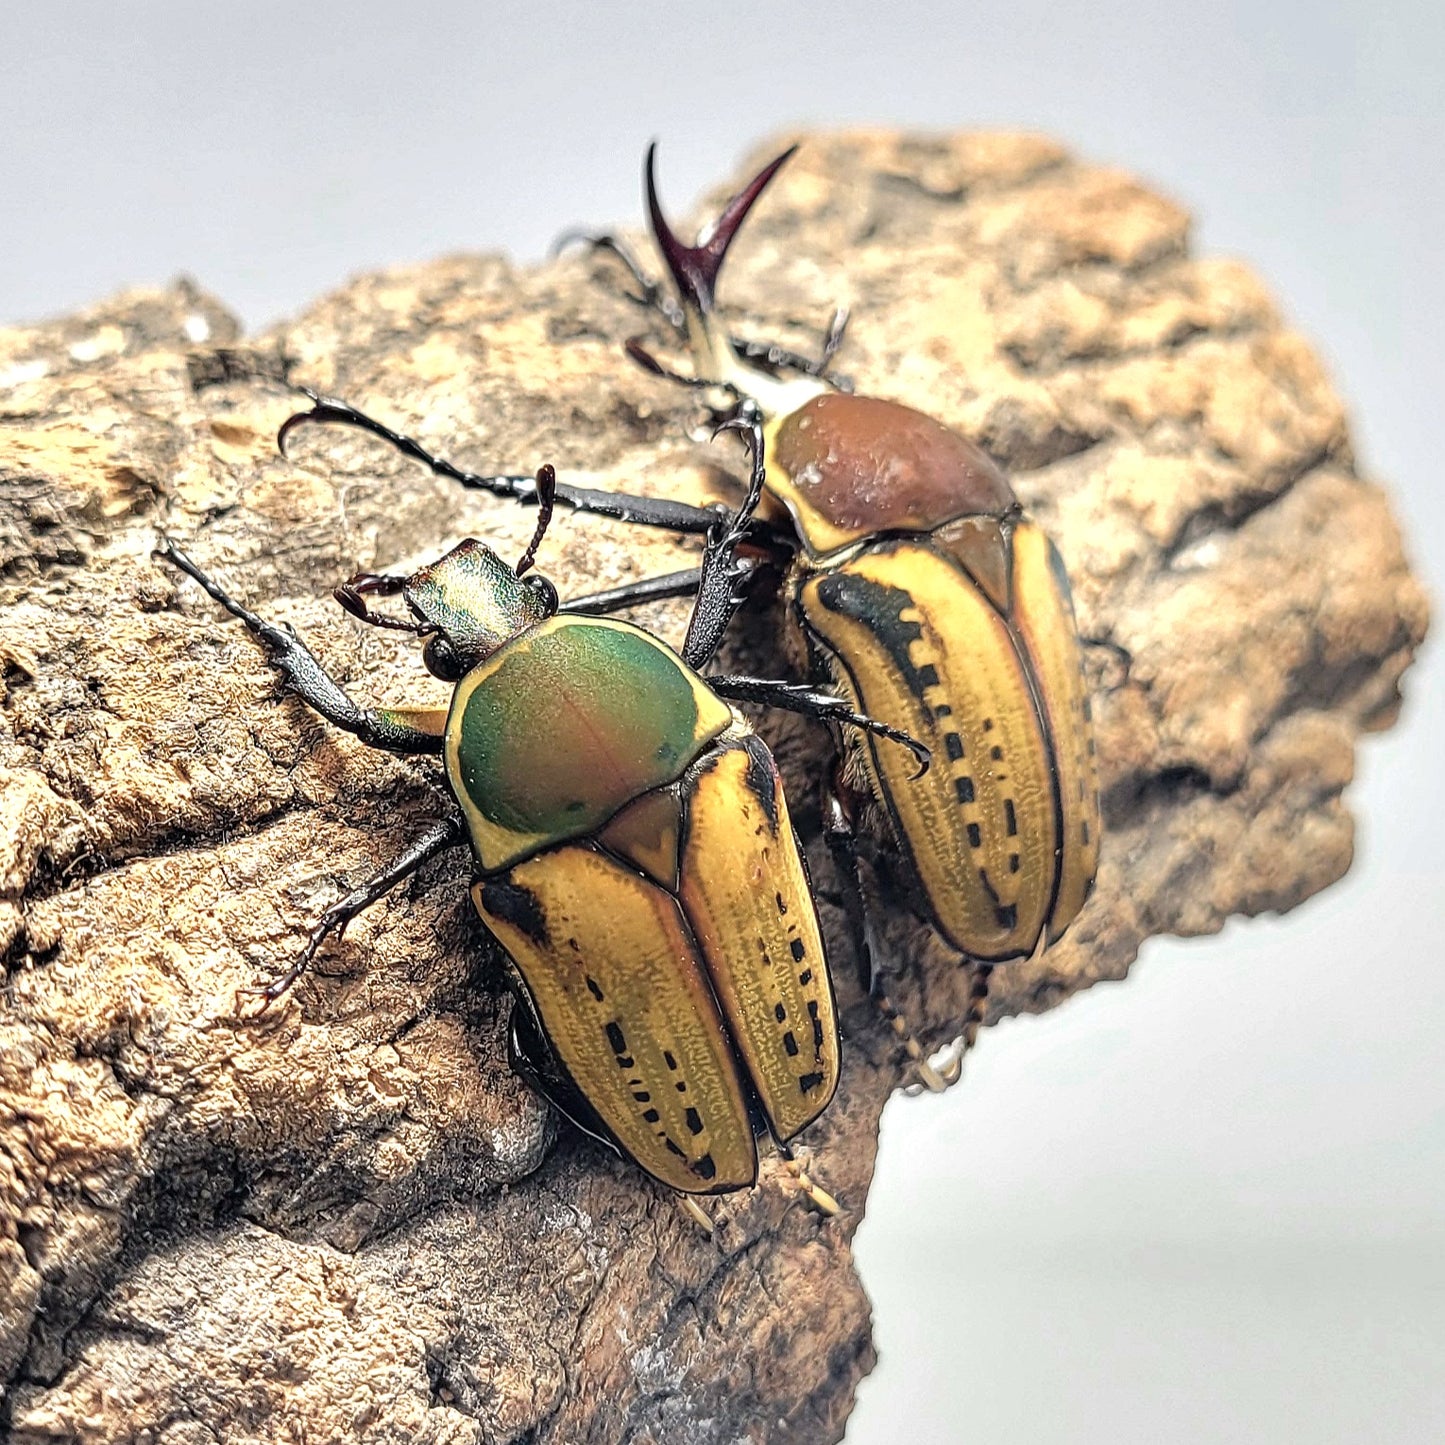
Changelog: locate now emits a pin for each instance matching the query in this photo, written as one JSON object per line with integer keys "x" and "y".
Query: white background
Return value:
{"x": 1205, "y": 1206}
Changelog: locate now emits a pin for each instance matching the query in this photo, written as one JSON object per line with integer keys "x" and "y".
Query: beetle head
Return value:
{"x": 466, "y": 604}
{"x": 694, "y": 270}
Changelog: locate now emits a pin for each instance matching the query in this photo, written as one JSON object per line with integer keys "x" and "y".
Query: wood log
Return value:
{"x": 348, "y": 1220}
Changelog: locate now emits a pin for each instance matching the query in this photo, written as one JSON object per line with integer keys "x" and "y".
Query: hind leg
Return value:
{"x": 839, "y": 833}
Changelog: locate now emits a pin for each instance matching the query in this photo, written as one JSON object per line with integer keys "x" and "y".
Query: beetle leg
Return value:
{"x": 694, "y": 1212}
{"x": 657, "y": 589}
{"x": 634, "y": 594}
{"x": 779, "y": 358}
{"x": 950, "y": 1069}
{"x": 648, "y": 362}
{"x": 620, "y": 506}
{"x": 720, "y": 582}
{"x": 801, "y": 697}
{"x": 842, "y": 841}
{"x": 813, "y": 1192}
{"x": 650, "y": 294}
{"x": 397, "y": 730}
{"x": 444, "y": 834}
{"x": 833, "y": 337}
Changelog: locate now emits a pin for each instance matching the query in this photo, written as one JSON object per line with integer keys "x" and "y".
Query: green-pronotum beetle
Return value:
{"x": 918, "y": 588}
{"x": 634, "y": 855}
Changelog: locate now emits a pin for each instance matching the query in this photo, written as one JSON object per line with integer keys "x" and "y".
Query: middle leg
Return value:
{"x": 441, "y": 835}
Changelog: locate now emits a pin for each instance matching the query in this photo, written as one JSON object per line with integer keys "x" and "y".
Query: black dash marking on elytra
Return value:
{"x": 1007, "y": 915}
{"x": 762, "y": 781}
{"x": 795, "y": 947}
{"x": 705, "y": 1168}
{"x": 593, "y": 988}
{"x": 673, "y": 1147}
{"x": 805, "y": 978}
{"x": 987, "y": 886}
{"x": 809, "y": 1082}
{"x": 782, "y": 903}
{"x": 1011, "y": 818}
{"x": 642, "y": 1096}
{"x": 880, "y": 608}
{"x": 988, "y": 724}
{"x": 953, "y": 746}
{"x": 996, "y": 753}
{"x": 817, "y": 1023}
{"x": 681, "y": 1087}
{"x": 616, "y": 1037}
{"x": 1013, "y": 862}
{"x": 651, "y": 1116}
{"x": 963, "y": 789}
{"x": 518, "y": 906}
{"x": 1084, "y": 832}
{"x": 694, "y": 1121}
{"x": 790, "y": 1044}
{"x": 975, "y": 836}
{"x": 780, "y": 1013}
{"x": 668, "y": 1059}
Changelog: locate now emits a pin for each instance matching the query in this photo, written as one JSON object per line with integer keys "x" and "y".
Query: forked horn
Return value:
{"x": 695, "y": 268}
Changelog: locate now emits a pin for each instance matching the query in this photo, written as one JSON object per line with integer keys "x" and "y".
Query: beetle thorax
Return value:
{"x": 849, "y": 467}
{"x": 565, "y": 725}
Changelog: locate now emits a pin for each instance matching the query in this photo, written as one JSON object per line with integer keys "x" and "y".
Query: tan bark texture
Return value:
{"x": 348, "y": 1220}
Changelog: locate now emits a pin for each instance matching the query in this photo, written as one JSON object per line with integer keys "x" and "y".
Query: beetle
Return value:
{"x": 634, "y": 853}
{"x": 916, "y": 587}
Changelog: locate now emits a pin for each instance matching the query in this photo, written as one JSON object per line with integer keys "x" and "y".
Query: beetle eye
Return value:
{"x": 442, "y": 659}
{"x": 545, "y": 590}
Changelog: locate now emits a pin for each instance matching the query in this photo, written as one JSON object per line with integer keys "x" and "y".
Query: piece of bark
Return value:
{"x": 347, "y": 1220}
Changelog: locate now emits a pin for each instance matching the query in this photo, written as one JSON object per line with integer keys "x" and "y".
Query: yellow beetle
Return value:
{"x": 919, "y": 589}
{"x": 634, "y": 853}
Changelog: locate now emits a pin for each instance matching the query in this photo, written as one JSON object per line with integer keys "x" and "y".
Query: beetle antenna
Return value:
{"x": 546, "y": 498}
{"x": 695, "y": 268}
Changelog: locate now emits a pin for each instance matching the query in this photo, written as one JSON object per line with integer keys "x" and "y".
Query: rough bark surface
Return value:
{"x": 348, "y": 1221}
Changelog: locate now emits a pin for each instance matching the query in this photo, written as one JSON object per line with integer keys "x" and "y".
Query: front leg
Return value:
{"x": 650, "y": 295}
{"x": 680, "y": 517}
{"x": 773, "y": 357}
{"x": 397, "y": 730}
